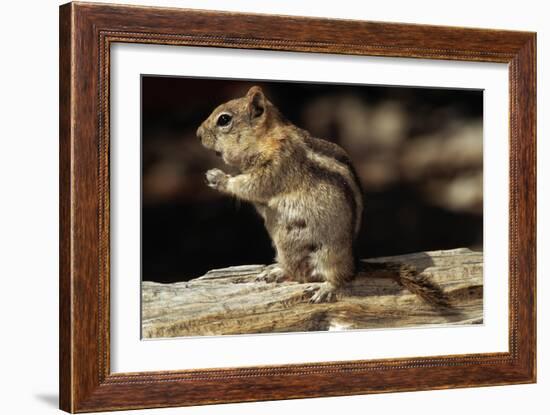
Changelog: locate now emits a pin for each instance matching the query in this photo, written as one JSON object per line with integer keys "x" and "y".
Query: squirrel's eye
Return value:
{"x": 224, "y": 120}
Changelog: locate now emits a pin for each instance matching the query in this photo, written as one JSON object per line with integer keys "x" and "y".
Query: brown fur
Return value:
{"x": 305, "y": 189}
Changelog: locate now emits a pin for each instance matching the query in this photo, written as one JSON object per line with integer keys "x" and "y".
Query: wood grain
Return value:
{"x": 86, "y": 33}
{"x": 66, "y": 399}
{"x": 232, "y": 300}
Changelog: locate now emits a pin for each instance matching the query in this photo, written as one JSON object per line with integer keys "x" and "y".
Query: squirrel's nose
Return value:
{"x": 199, "y": 132}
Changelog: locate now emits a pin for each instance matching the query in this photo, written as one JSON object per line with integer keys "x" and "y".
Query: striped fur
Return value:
{"x": 330, "y": 156}
{"x": 305, "y": 188}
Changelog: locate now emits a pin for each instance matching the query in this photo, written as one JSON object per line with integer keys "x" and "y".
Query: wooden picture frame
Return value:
{"x": 86, "y": 33}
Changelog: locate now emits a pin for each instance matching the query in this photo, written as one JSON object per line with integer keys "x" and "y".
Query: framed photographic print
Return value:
{"x": 260, "y": 207}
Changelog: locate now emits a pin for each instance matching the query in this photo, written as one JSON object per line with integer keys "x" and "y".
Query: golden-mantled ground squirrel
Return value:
{"x": 305, "y": 189}
{"x": 308, "y": 193}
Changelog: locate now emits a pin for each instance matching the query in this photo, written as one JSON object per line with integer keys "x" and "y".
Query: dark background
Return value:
{"x": 418, "y": 152}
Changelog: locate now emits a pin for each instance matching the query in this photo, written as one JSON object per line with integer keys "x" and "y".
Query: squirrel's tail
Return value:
{"x": 408, "y": 277}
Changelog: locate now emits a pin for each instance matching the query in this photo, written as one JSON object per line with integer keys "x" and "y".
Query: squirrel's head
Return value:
{"x": 238, "y": 130}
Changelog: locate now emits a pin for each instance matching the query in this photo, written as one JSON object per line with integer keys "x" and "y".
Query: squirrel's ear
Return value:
{"x": 256, "y": 102}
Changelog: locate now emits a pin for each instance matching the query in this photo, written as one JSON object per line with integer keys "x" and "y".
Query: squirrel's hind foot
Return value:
{"x": 324, "y": 293}
{"x": 273, "y": 274}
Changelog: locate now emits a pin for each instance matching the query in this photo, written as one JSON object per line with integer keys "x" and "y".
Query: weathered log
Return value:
{"x": 231, "y": 301}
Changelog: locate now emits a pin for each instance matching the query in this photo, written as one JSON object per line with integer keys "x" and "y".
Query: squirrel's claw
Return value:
{"x": 325, "y": 293}
{"x": 272, "y": 274}
{"x": 216, "y": 179}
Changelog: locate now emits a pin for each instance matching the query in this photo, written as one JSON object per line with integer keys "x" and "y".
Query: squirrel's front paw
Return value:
{"x": 217, "y": 179}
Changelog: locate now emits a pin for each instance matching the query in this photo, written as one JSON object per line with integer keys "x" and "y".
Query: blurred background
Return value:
{"x": 417, "y": 151}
